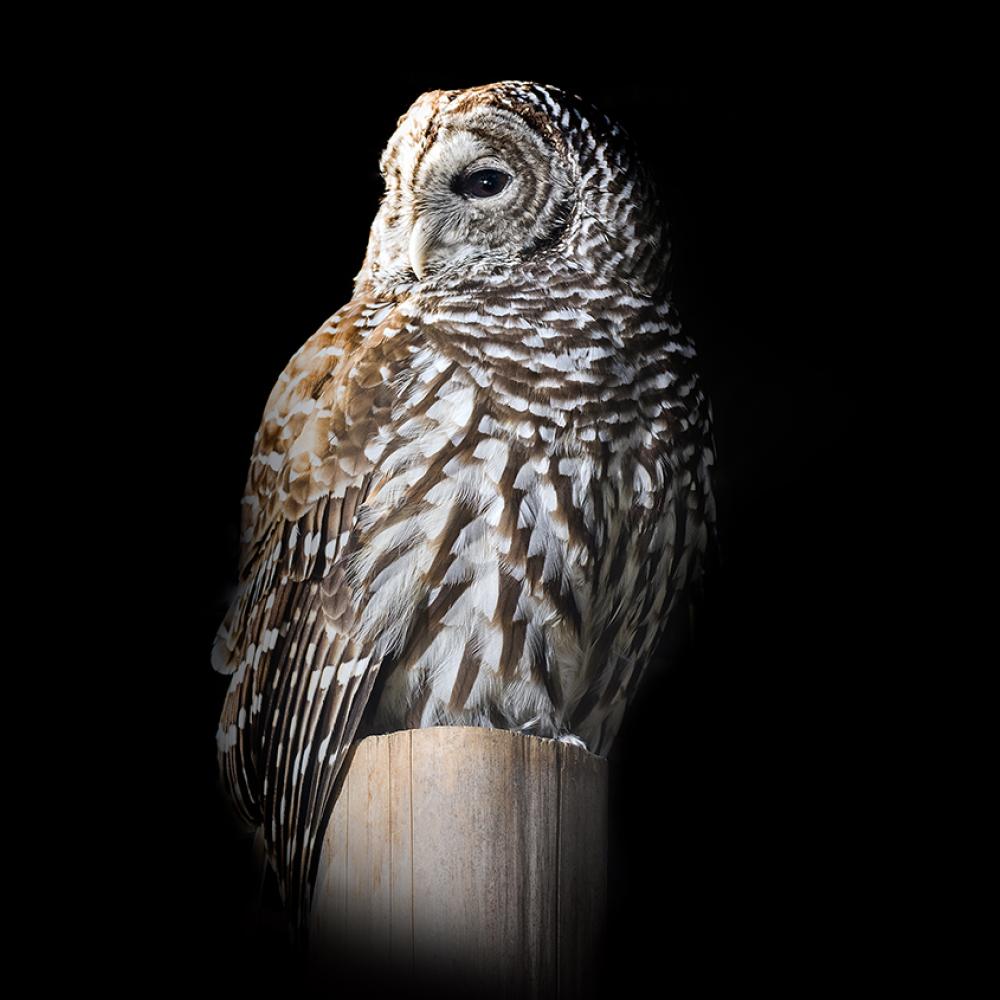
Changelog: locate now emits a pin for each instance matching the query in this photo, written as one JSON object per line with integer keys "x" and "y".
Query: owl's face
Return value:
{"x": 486, "y": 179}
{"x": 488, "y": 189}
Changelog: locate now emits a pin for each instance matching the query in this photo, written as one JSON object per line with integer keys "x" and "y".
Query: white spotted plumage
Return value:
{"x": 478, "y": 489}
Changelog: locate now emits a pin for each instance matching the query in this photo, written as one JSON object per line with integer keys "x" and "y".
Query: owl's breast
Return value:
{"x": 489, "y": 563}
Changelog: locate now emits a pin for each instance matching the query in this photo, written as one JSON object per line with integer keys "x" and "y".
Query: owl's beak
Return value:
{"x": 420, "y": 247}
{"x": 430, "y": 243}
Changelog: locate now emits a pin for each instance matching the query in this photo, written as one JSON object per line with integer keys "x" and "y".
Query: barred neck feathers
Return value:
{"x": 588, "y": 363}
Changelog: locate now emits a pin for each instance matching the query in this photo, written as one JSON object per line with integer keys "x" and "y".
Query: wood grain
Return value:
{"x": 472, "y": 857}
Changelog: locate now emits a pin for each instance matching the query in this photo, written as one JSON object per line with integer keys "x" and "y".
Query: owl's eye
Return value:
{"x": 482, "y": 183}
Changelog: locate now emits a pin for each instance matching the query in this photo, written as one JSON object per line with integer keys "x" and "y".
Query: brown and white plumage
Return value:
{"x": 484, "y": 482}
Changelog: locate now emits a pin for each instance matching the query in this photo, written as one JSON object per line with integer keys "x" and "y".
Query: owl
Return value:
{"x": 479, "y": 488}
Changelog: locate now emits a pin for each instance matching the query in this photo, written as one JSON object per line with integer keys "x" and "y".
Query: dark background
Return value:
{"x": 740, "y": 796}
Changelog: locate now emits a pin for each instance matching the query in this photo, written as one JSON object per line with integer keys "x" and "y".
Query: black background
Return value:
{"x": 739, "y": 795}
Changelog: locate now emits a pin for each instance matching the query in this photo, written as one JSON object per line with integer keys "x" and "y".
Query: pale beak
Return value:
{"x": 420, "y": 245}
{"x": 428, "y": 243}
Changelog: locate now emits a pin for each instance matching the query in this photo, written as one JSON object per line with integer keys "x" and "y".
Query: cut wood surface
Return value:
{"x": 477, "y": 857}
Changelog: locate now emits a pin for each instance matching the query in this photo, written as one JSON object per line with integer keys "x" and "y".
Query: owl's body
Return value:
{"x": 479, "y": 488}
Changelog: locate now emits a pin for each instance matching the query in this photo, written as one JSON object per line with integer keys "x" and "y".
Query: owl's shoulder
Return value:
{"x": 329, "y": 401}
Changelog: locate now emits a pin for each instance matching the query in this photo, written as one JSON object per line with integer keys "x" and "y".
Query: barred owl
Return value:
{"x": 479, "y": 488}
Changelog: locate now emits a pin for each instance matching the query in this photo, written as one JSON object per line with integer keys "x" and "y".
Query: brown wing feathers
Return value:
{"x": 300, "y": 681}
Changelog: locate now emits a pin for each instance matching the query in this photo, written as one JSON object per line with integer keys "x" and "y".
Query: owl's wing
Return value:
{"x": 300, "y": 679}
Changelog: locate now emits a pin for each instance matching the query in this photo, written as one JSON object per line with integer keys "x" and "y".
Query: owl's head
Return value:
{"x": 504, "y": 176}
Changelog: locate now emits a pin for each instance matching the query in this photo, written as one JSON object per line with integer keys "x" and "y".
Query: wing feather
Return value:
{"x": 300, "y": 677}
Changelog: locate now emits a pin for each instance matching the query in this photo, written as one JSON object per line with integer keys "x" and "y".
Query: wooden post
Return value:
{"x": 474, "y": 859}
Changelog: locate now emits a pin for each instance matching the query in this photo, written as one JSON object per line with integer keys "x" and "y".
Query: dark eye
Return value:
{"x": 482, "y": 183}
